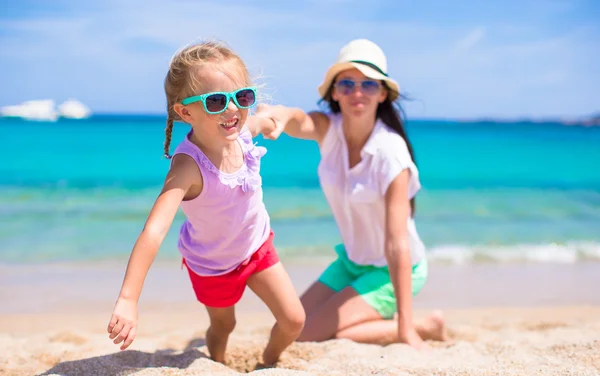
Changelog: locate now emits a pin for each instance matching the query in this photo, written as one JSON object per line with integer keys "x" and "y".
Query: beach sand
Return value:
{"x": 527, "y": 319}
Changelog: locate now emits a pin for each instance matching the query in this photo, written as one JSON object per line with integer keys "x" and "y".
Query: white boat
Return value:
{"x": 39, "y": 110}
{"x": 73, "y": 109}
{"x": 45, "y": 110}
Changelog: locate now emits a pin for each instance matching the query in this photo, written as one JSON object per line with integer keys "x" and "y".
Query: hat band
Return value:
{"x": 371, "y": 65}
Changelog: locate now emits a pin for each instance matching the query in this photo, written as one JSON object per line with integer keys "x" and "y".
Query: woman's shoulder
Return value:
{"x": 392, "y": 157}
{"x": 386, "y": 142}
{"x": 325, "y": 124}
{"x": 325, "y": 118}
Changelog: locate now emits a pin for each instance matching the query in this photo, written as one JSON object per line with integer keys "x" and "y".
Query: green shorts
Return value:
{"x": 372, "y": 283}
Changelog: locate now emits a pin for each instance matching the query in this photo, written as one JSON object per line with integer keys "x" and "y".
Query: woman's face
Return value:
{"x": 357, "y": 94}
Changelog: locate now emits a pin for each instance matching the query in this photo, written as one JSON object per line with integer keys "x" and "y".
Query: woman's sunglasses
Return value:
{"x": 217, "y": 102}
{"x": 369, "y": 87}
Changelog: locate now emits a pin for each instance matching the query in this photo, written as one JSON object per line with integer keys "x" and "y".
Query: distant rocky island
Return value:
{"x": 592, "y": 121}
{"x": 587, "y": 121}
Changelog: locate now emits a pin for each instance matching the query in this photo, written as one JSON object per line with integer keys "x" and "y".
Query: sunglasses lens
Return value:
{"x": 245, "y": 98}
{"x": 216, "y": 102}
{"x": 370, "y": 87}
{"x": 346, "y": 86}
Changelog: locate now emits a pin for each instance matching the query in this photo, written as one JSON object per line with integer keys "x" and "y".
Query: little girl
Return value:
{"x": 226, "y": 241}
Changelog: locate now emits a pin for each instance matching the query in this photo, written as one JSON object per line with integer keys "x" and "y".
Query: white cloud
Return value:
{"x": 122, "y": 49}
{"x": 470, "y": 40}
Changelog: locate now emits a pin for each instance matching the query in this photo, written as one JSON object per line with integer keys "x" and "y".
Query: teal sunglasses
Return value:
{"x": 217, "y": 102}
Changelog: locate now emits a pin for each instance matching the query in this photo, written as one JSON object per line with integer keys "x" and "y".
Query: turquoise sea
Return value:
{"x": 81, "y": 190}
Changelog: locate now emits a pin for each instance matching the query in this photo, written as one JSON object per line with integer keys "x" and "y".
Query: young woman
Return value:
{"x": 369, "y": 177}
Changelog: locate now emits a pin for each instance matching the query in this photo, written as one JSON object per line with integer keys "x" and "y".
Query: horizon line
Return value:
{"x": 594, "y": 116}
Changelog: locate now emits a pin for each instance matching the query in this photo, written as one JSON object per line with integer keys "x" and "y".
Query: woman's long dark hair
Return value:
{"x": 390, "y": 112}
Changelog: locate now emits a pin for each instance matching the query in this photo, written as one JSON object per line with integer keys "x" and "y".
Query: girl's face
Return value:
{"x": 216, "y": 117}
{"x": 357, "y": 94}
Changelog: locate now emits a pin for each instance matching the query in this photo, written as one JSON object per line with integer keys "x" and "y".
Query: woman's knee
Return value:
{"x": 316, "y": 295}
{"x": 312, "y": 333}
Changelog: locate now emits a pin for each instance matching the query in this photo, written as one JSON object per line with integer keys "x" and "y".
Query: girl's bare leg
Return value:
{"x": 274, "y": 287}
{"x": 222, "y": 323}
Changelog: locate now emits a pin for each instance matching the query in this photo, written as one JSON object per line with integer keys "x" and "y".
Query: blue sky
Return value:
{"x": 457, "y": 59}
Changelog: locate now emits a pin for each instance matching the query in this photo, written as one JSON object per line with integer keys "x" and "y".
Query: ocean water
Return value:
{"x": 527, "y": 192}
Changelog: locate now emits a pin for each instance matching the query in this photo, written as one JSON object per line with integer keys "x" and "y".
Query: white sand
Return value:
{"x": 494, "y": 341}
{"x": 55, "y": 324}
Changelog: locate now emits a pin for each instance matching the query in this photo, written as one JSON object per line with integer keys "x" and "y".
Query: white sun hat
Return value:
{"x": 367, "y": 57}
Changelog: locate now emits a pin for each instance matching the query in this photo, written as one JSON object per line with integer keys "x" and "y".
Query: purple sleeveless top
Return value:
{"x": 228, "y": 220}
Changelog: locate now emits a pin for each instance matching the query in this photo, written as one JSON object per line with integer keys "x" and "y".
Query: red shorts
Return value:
{"x": 227, "y": 289}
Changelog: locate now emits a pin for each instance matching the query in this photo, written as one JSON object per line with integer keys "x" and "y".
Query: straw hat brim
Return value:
{"x": 335, "y": 69}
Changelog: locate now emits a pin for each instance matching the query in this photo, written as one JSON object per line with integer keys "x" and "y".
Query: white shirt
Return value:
{"x": 356, "y": 196}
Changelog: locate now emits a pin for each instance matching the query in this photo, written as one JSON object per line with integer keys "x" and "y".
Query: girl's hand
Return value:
{"x": 123, "y": 322}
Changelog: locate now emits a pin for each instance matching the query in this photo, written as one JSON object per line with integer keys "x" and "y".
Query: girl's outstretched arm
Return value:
{"x": 183, "y": 174}
{"x": 295, "y": 122}
{"x": 397, "y": 251}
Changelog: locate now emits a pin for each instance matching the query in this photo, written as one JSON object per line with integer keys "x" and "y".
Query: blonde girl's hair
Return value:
{"x": 181, "y": 80}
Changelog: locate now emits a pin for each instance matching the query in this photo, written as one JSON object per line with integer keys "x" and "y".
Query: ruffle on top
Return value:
{"x": 248, "y": 176}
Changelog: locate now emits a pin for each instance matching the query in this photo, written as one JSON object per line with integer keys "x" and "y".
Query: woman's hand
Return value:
{"x": 294, "y": 121}
{"x": 123, "y": 322}
{"x": 411, "y": 338}
{"x": 278, "y": 115}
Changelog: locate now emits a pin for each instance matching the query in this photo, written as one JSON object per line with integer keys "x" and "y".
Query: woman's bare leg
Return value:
{"x": 315, "y": 296}
{"x": 342, "y": 310}
{"x": 384, "y": 332}
{"x": 347, "y": 315}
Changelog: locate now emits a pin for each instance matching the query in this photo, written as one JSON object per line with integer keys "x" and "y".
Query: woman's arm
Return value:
{"x": 260, "y": 124}
{"x": 397, "y": 251}
{"x": 182, "y": 175}
{"x": 295, "y": 122}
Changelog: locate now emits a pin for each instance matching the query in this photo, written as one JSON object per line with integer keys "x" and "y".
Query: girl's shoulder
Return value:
{"x": 184, "y": 174}
{"x": 185, "y": 164}
{"x": 186, "y": 160}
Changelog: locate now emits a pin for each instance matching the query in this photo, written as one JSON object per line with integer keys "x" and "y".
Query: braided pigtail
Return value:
{"x": 169, "y": 131}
